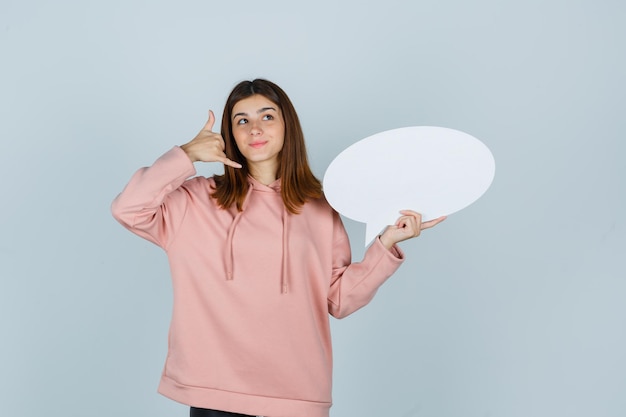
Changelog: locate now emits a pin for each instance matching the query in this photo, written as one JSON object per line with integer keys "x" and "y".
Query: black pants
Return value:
{"x": 203, "y": 412}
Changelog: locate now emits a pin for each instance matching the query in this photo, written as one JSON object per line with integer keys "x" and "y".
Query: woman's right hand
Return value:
{"x": 208, "y": 146}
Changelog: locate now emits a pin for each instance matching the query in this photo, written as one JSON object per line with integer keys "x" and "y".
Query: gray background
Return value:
{"x": 512, "y": 307}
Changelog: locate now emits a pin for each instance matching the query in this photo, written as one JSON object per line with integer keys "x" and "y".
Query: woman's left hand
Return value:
{"x": 408, "y": 226}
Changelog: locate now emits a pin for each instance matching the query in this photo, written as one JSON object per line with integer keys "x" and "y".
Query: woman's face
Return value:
{"x": 259, "y": 131}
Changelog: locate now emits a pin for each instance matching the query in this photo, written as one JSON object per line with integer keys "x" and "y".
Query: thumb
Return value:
{"x": 209, "y": 124}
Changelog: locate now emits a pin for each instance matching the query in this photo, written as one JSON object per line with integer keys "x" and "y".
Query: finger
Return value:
{"x": 219, "y": 141}
{"x": 230, "y": 163}
{"x": 417, "y": 216}
{"x": 431, "y": 223}
{"x": 214, "y": 140}
{"x": 409, "y": 225}
{"x": 405, "y": 221}
{"x": 209, "y": 125}
{"x": 411, "y": 213}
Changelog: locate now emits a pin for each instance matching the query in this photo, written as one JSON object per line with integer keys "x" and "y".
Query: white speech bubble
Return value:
{"x": 435, "y": 171}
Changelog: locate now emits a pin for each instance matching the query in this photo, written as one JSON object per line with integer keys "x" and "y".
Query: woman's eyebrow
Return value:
{"x": 261, "y": 110}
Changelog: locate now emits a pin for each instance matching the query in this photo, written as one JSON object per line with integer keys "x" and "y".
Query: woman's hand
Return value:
{"x": 208, "y": 146}
{"x": 408, "y": 226}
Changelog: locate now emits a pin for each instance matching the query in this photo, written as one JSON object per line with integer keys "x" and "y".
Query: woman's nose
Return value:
{"x": 255, "y": 128}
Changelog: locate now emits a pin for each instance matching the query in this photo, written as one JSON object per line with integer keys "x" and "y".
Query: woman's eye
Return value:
{"x": 268, "y": 117}
{"x": 242, "y": 121}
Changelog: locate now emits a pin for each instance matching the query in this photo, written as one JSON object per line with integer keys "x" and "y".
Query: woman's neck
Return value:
{"x": 263, "y": 173}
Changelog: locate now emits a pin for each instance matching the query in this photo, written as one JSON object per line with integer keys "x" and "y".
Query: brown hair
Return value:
{"x": 298, "y": 184}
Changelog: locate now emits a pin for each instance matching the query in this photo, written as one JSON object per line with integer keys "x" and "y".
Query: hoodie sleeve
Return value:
{"x": 141, "y": 207}
{"x": 353, "y": 285}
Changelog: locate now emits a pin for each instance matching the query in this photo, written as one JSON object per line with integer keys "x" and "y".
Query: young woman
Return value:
{"x": 258, "y": 262}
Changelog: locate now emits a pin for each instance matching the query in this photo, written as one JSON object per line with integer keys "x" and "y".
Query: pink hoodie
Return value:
{"x": 250, "y": 330}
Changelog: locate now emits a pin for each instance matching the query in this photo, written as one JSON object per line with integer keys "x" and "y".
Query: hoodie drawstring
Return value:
{"x": 284, "y": 284}
{"x": 229, "y": 240}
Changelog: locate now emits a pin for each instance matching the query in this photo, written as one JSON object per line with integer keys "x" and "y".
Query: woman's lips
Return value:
{"x": 257, "y": 145}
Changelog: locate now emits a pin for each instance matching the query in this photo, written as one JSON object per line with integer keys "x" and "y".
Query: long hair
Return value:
{"x": 298, "y": 184}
